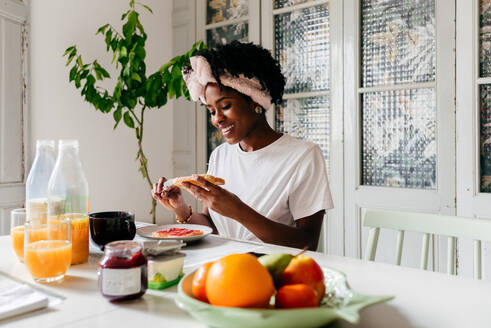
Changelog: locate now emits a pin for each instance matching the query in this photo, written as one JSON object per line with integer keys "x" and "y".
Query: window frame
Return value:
{"x": 471, "y": 202}
{"x": 12, "y": 192}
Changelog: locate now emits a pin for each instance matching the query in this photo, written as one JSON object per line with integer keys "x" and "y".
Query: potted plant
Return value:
{"x": 135, "y": 91}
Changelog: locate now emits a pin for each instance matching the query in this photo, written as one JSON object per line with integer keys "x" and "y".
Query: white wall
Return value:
{"x": 58, "y": 111}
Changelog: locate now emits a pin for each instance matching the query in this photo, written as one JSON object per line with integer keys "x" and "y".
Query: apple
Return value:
{"x": 296, "y": 296}
{"x": 302, "y": 269}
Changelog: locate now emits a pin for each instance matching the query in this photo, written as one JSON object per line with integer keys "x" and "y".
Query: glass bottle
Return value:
{"x": 68, "y": 197}
{"x": 37, "y": 181}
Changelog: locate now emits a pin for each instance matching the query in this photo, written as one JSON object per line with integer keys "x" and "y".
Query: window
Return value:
{"x": 373, "y": 83}
{"x": 12, "y": 108}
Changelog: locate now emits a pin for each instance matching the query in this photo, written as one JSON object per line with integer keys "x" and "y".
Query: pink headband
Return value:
{"x": 200, "y": 75}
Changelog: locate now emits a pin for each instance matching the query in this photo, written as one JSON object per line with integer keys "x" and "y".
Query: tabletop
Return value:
{"x": 422, "y": 298}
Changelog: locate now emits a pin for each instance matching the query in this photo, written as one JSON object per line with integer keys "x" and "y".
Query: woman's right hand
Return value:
{"x": 171, "y": 198}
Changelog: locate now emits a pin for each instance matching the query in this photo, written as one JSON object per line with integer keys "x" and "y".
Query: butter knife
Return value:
{"x": 168, "y": 183}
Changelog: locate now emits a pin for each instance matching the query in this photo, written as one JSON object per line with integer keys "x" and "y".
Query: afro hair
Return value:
{"x": 252, "y": 61}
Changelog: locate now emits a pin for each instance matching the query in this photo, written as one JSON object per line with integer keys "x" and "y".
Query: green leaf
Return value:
{"x": 177, "y": 87}
{"x": 98, "y": 74}
{"x": 73, "y": 73}
{"x": 117, "y": 114}
{"x": 79, "y": 61}
{"x": 129, "y": 27}
{"x": 136, "y": 77}
{"x": 126, "y": 71}
{"x": 70, "y": 57}
{"x": 132, "y": 102}
{"x": 77, "y": 81}
{"x": 123, "y": 52}
{"x": 104, "y": 72}
{"x": 114, "y": 44}
{"x": 117, "y": 90}
{"x": 102, "y": 29}
{"x": 128, "y": 120}
{"x": 91, "y": 79}
{"x": 108, "y": 39}
{"x": 147, "y": 8}
{"x": 125, "y": 14}
{"x": 140, "y": 52}
{"x": 68, "y": 50}
{"x": 142, "y": 170}
{"x": 132, "y": 3}
{"x": 84, "y": 74}
{"x": 176, "y": 72}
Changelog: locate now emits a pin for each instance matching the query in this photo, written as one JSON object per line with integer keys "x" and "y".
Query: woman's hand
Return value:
{"x": 171, "y": 198}
{"x": 216, "y": 198}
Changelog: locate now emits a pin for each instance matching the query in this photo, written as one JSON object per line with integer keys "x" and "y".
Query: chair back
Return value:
{"x": 451, "y": 226}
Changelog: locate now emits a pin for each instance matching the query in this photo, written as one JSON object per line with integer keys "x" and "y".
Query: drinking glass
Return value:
{"x": 17, "y": 220}
{"x": 48, "y": 249}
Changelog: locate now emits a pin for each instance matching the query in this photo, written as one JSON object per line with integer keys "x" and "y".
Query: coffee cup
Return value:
{"x": 106, "y": 227}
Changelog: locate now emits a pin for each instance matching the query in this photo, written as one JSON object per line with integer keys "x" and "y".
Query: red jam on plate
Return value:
{"x": 123, "y": 271}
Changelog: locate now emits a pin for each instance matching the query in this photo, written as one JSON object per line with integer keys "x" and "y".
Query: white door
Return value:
{"x": 474, "y": 123}
{"x": 399, "y": 116}
{"x": 13, "y": 112}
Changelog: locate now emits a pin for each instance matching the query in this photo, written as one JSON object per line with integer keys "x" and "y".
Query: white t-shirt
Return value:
{"x": 284, "y": 181}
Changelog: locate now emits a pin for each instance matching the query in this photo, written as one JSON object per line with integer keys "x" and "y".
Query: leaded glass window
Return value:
{"x": 301, "y": 45}
{"x": 398, "y": 93}
{"x": 227, "y": 20}
{"x": 485, "y": 92}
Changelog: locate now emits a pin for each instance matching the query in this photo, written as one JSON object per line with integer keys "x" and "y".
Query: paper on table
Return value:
{"x": 197, "y": 256}
{"x": 18, "y": 298}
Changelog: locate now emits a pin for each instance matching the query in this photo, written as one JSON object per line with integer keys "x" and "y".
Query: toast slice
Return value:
{"x": 208, "y": 177}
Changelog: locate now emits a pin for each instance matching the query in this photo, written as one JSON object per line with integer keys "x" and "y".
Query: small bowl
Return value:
{"x": 106, "y": 227}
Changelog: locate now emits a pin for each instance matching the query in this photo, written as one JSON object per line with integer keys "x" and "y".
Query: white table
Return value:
{"x": 422, "y": 299}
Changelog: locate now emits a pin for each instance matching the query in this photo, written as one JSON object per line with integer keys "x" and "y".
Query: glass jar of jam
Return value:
{"x": 123, "y": 271}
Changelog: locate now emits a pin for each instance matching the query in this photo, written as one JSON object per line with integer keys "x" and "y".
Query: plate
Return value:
{"x": 340, "y": 302}
{"x": 147, "y": 231}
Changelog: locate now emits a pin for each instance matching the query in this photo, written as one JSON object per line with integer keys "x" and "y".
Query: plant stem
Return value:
{"x": 143, "y": 162}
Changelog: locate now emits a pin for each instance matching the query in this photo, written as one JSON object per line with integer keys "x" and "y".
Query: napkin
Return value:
{"x": 17, "y": 298}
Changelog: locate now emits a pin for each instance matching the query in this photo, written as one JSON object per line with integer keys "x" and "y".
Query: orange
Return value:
{"x": 296, "y": 296}
{"x": 199, "y": 282}
{"x": 239, "y": 280}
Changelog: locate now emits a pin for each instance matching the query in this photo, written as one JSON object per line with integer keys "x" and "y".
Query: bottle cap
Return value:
{"x": 45, "y": 143}
{"x": 68, "y": 143}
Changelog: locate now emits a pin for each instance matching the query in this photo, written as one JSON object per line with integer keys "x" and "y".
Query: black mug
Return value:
{"x": 106, "y": 227}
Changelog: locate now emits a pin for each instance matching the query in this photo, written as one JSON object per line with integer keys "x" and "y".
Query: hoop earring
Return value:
{"x": 258, "y": 109}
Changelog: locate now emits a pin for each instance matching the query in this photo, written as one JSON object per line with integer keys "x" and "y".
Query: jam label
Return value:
{"x": 120, "y": 282}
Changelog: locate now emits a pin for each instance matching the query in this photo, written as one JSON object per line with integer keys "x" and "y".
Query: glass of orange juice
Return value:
{"x": 17, "y": 220}
{"x": 80, "y": 235}
{"x": 48, "y": 249}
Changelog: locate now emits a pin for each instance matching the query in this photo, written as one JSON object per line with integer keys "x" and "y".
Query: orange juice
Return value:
{"x": 80, "y": 239}
{"x": 48, "y": 258}
{"x": 17, "y": 234}
{"x": 38, "y": 234}
{"x": 80, "y": 235}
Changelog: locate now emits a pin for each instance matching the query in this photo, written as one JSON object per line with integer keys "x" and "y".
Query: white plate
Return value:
{"x": 147, "y": 231}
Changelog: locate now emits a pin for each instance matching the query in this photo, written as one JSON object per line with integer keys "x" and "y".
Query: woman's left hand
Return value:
{"x": 216, "y": 198}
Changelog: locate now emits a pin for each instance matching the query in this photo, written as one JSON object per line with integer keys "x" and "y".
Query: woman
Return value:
{"x": 276, "y": 188}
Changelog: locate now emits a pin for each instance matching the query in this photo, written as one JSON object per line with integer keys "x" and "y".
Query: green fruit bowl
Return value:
{"x": 340, "y": 302}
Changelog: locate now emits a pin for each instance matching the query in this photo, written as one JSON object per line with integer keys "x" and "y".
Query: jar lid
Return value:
{"x": 123, "y": 248}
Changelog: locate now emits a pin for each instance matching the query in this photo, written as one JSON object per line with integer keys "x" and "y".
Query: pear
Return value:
{"x": 275, "y": 263}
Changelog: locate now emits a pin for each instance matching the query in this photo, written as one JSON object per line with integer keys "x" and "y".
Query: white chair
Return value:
{"x": 451, "y": 226}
